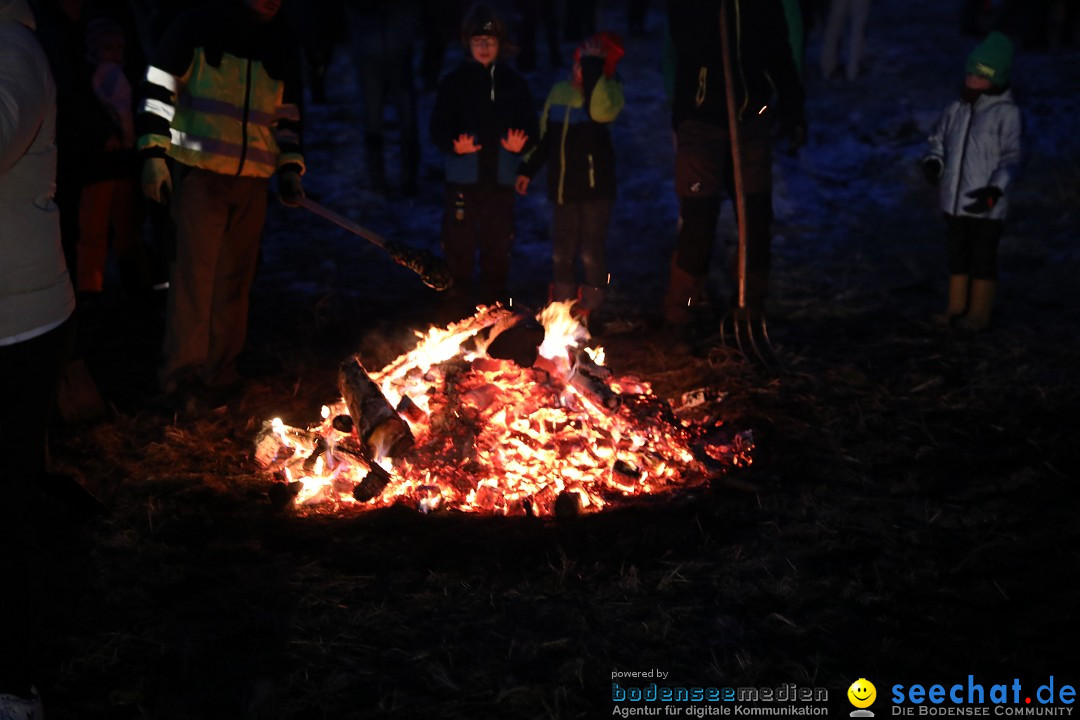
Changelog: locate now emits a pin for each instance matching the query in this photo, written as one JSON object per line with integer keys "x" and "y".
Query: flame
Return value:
{"x": 492, "y": 436}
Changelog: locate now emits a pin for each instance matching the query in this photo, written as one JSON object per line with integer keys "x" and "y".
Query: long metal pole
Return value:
{"x": 736, "y": 153}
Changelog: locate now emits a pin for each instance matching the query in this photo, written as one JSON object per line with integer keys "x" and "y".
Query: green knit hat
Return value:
{"x": 992, "y": 59}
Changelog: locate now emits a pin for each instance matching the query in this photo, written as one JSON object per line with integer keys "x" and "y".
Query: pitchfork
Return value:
{"x": 748, "y": 330}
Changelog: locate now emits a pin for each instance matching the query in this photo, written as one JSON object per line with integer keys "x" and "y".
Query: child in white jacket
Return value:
{"x": 974, "y": 158}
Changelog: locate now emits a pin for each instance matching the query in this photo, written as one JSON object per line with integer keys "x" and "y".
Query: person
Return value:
{"x": 575, "y": 139}
{"x": 768, "y": 91}
{"x": 841, "y": 12}
{"x": 383, "y": 35}
{"x": 482, "y": 120}
{"x": 973, "y": 159}
{"x": 222, "y": 101}
{"x": 110, "y": 197}
{"x": 36, "y": 337}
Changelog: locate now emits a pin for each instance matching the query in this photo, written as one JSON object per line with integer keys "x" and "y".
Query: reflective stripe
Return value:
{"x": 290, "y": 111}
{"x": 213, "y": 106}
{"x": 221, "y": 148}
{"x": 166, "y": 80}
{"x": 285, "y": 137}
{"x": 156, "y": 107}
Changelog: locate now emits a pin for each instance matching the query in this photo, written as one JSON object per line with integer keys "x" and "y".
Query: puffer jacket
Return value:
{"x": 979, "y": 145}
{"x": 35, "y": 291}
{"x": 575, "y": 137}
{"x": 223, "y": 94}
{"x": 485, "y": 103}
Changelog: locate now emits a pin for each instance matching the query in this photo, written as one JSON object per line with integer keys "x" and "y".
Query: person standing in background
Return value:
{"x": 841, "y": 12}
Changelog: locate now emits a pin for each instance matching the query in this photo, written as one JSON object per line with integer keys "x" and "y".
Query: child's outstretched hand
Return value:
{"x": 515, "y": 140}
{"x": 522, "y": 184}
{"x": 985, "y": 199}
{"x": 465, "y": 144}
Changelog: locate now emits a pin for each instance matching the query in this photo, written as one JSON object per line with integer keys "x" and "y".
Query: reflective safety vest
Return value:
{"x": 223, "y": 97}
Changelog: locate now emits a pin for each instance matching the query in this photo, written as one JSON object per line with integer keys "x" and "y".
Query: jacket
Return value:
{"x": 766, "y": 78}
{"x": 576, "y": 139}
{"x": 35, "y": 291}
{"x": 223, "y": 94}
{"x": 485, "y": 103}
{"x": 978, "y": 145}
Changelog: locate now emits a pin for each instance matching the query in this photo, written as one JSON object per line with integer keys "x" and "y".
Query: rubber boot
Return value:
{"x": 982, "y": 302}
{"x": 683, "y": 292}
{"x": 589, "y": 300}
{"x": 560, "y": 291}
{"x": 958, "y": 301}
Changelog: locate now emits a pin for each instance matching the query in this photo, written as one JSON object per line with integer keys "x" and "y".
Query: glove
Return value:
{"x": 931, "y": 169}
{"x": 985, "y": 199}
{"x": 290, "y": 189}
{"x": 156, "y": 180}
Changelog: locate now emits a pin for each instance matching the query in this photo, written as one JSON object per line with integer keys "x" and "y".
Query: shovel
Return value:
{"x": 433, "y": 270}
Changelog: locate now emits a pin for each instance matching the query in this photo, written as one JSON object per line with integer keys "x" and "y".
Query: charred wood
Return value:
{"x": 380, "y": 429}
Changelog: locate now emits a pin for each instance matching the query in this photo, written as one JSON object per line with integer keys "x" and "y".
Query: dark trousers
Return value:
{"x": 973, "y": 246}
{"x": 579, "y": 231}
{"x": 478, "y": 220}
{"x": 383, "y": 49}
{"x": 704, "y": 173}
{"x": 29, "y": 376}
{"x": 219, "y": 221}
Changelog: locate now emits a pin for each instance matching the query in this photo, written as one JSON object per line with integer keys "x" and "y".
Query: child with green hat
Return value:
{"x": 974, "y": 158}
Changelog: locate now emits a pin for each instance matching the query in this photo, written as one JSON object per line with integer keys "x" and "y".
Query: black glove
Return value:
{"x": 931, "y": 169}
{"x": 985, "y": 199}
{"x": 290, "y": 189}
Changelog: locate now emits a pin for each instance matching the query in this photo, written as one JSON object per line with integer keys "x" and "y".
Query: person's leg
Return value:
{"x": 860, "y": 16}
{"x": 830, "y": 42}
{"x": 985, "y": 236}
{"x": 565, "y": 234}
{"x": 28, "y": 387}
{"x": 495, "y": 238}
{"x": 201, "y": 214}
{"x": 460, "y": 215}
{"x": 233, "y": 275}
{"x": 595, "y": 215}
{"x": 959, "y": 263}
{"x": 127, "y": 237}
{"x": 92, "y": 247}
{"x": 702, "y": 158}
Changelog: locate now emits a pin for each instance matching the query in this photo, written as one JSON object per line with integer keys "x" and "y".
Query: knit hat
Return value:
{"x": 483, "y": 21}
{"x": 992, "y": 59}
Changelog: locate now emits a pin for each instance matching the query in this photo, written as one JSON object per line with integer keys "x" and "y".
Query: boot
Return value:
{"x": 589, "y": 299}
{"x": 683, "y": 292}
{"x": 958, "y": 301}
{"x": 982, "y": 302}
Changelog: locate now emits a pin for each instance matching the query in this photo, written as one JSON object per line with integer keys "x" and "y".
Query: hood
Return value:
{"x": 17, "y": 11}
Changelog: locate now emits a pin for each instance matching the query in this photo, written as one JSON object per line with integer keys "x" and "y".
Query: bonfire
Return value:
{"x": 450, "y": 426}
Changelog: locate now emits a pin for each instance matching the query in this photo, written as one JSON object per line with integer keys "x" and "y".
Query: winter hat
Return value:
{"x": 100, "y": 30}
{"x": 992, "y": 59}
{"x": 483, "y": 21}
{"x": 612, "y": 45}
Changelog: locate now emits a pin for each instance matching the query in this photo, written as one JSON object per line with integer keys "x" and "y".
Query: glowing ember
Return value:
{"x": 491, "y": 436}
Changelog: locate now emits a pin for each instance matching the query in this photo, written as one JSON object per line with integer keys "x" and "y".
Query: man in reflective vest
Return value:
{"x": 221, "y": 99}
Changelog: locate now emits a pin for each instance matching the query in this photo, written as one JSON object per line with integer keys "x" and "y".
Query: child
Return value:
{"x": 483, "y": 117}
{"x": 110, "y": 195}
{"x": 974, "y": 158}
{"x": 575, "y": 138}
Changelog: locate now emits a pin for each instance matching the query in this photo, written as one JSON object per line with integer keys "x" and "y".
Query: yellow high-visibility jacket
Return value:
{"x": 223, "y": 94}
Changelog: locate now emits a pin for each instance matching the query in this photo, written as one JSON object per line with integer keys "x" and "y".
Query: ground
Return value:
{"x": 909, "y": 516}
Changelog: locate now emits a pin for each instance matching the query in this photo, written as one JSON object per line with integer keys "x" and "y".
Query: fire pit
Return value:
{"x": 449, "y": 426}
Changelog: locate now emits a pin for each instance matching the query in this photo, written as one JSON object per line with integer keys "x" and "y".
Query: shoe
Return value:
{"x": 14, "y": 707}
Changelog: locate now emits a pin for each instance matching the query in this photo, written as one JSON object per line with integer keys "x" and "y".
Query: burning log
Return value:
{"x": 591, "y": 381}
{"x": 379, "y": 428}
{"x": 372, "y": 485}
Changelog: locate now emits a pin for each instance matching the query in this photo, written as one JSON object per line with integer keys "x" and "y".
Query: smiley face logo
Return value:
{"x": 862, "y": 693}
